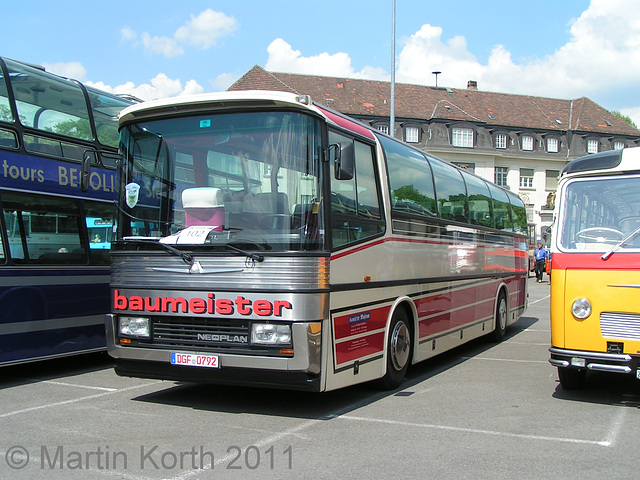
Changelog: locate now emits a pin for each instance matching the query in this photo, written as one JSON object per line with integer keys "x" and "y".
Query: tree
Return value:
{"x": 626, "y": 118}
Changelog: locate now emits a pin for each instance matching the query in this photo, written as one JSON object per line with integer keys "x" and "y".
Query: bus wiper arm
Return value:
{"x": 186, "y": 258}
{"x": 620, "y": 244}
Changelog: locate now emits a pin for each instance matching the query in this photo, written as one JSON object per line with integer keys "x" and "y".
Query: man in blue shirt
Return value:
{"x": 540, "y": 255}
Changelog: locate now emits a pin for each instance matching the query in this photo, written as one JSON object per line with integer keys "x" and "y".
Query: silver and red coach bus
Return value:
{"x": 265, "y": 240}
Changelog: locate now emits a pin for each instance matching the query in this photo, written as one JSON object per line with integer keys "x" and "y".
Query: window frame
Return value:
{"x": 462, "y": 137}
{"x": 552, "y": 178}
{"x": 414, "y": 131}
{"x": 529, "y": 178}
{"x": 497, "y": 176}
{"x": 498, "y": 139}
{"x": 591, "y": 143}
{"x": 524, "y": 141}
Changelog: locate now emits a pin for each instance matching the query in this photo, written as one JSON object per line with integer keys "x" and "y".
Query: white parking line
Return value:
{"x": 539, "y": 300}
{"x": 73, "y": 400}
{"x": 64, "y": 384}
{"x": 602, "y": 443}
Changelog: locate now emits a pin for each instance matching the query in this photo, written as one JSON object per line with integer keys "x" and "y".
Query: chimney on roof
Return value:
{"x": 472, "y": 85}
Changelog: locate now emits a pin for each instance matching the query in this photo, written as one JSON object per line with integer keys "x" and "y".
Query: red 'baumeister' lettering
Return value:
{"x": 211, "y": 305}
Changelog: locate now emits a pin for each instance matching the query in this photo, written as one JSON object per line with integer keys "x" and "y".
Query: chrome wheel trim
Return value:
{"x": 399, "y": 346}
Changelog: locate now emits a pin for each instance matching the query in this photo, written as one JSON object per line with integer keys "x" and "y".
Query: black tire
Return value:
{"x": 572, "y": 378}
{"x": 501, "y": 316}
{"x": 398, "y": 351}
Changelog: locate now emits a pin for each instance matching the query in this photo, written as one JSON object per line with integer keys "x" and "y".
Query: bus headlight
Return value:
{"x": 270, "y": 334}
{"x": 138, "y": 327}
{"x": 581, "y": 308}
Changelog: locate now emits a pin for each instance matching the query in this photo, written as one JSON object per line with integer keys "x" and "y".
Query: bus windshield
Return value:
{"x": 246, "y": 179}
{"x": 599, "y": 212}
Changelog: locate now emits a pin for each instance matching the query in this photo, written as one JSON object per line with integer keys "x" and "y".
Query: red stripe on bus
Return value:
{"x": 490, "y": 251}
{"x": 594, "y": 261}
{"x": 449, "y": 310}
{"x": 347, "y": 124}
{"x": 350, "y": 350}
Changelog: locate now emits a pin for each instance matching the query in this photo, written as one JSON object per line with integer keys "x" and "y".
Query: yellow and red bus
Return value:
{"x": 266, "y": 240}
{"x": 595, "y": 292}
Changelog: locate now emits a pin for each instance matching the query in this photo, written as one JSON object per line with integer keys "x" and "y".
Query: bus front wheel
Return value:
{"x": 502, "y": 313}
{"x": 572, "y": 378}
{"x": 398, "y": 351}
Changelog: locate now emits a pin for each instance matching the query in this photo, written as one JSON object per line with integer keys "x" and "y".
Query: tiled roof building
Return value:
{"x": 519, "y": 141}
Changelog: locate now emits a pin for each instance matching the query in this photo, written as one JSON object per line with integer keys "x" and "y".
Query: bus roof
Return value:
{"x": 244, "y": 98}
{"x": 219, "y": 100}
{"x": 611, "y": 161}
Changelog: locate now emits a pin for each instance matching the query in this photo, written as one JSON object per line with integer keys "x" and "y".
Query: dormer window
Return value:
{"x": 527, "y": 142}
{"x": 553, "y": 145}
{"x": 592, "y": 145}
{"x": 462, "y": 137}
{"x": 501, "y": 140}
{"x": 412, "y": 134}
{"x": 383, "y": 128}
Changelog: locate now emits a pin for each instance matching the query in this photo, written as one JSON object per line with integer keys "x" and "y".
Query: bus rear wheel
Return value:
{"x": 398, "y": 351}
{"x": 572, "y": 378}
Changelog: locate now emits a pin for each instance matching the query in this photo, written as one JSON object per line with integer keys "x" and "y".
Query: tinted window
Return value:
{"x": 49, "y": 103}
{"x": 501, "y": 208}
{"x": 518, "y": 214}
{"x": 450, "y": 192}
{"x": 479, "y": 201}
{"x": 410, "y": 180}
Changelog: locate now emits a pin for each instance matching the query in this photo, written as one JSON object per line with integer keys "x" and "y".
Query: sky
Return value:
{"x": 552, "y": 48}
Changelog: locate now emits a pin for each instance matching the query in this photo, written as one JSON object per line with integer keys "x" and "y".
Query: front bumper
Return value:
{"x": 302, "y": 371}
{"x": 597, "y": 361}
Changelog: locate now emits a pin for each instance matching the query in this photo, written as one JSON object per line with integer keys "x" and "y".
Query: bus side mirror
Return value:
{"x": 344, "y": 160}
{"x": 84, "y": 174}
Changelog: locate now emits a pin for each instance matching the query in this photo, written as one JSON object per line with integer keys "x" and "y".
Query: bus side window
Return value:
{"x": 479, "y": 201}
{"x": 450, "y": 192}
{"x": 100, "y": 222}
{"x": 501, "y": 209}
{"x": 410, "y": 181}
{"x": 44, "y": 230}
{"x": 355, "y": 203}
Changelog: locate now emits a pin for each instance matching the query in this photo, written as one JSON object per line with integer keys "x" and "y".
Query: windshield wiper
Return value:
{"x": 186, "y": 258}
{"x": 620, "y": 244}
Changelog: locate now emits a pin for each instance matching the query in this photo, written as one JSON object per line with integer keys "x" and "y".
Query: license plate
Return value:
{"x": 194, "y": 360}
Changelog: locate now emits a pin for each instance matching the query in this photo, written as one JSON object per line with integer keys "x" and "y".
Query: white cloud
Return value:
{"x": 283, "y": 58}
{"x": 73, "y": 70}
{"x": 161, "y": 86}
{"x": 602, "y": 55}
{"x": 165, "y": 46}
{"x": 128, "y": 34}
{"x": 223, "y": 81}
{"x": 203, "y": 30}
{"x": 424, "y": 52}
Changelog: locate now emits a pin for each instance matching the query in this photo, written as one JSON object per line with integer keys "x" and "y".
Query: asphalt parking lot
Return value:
{"x": 485, "y": 410}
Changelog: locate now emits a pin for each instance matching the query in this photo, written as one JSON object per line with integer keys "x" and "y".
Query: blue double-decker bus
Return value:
{"x": 58, "y": 150}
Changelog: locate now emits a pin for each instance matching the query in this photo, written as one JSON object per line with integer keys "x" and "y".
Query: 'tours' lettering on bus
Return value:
{"x": 65, "y": 176}
{"x": 210, "y": 305}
